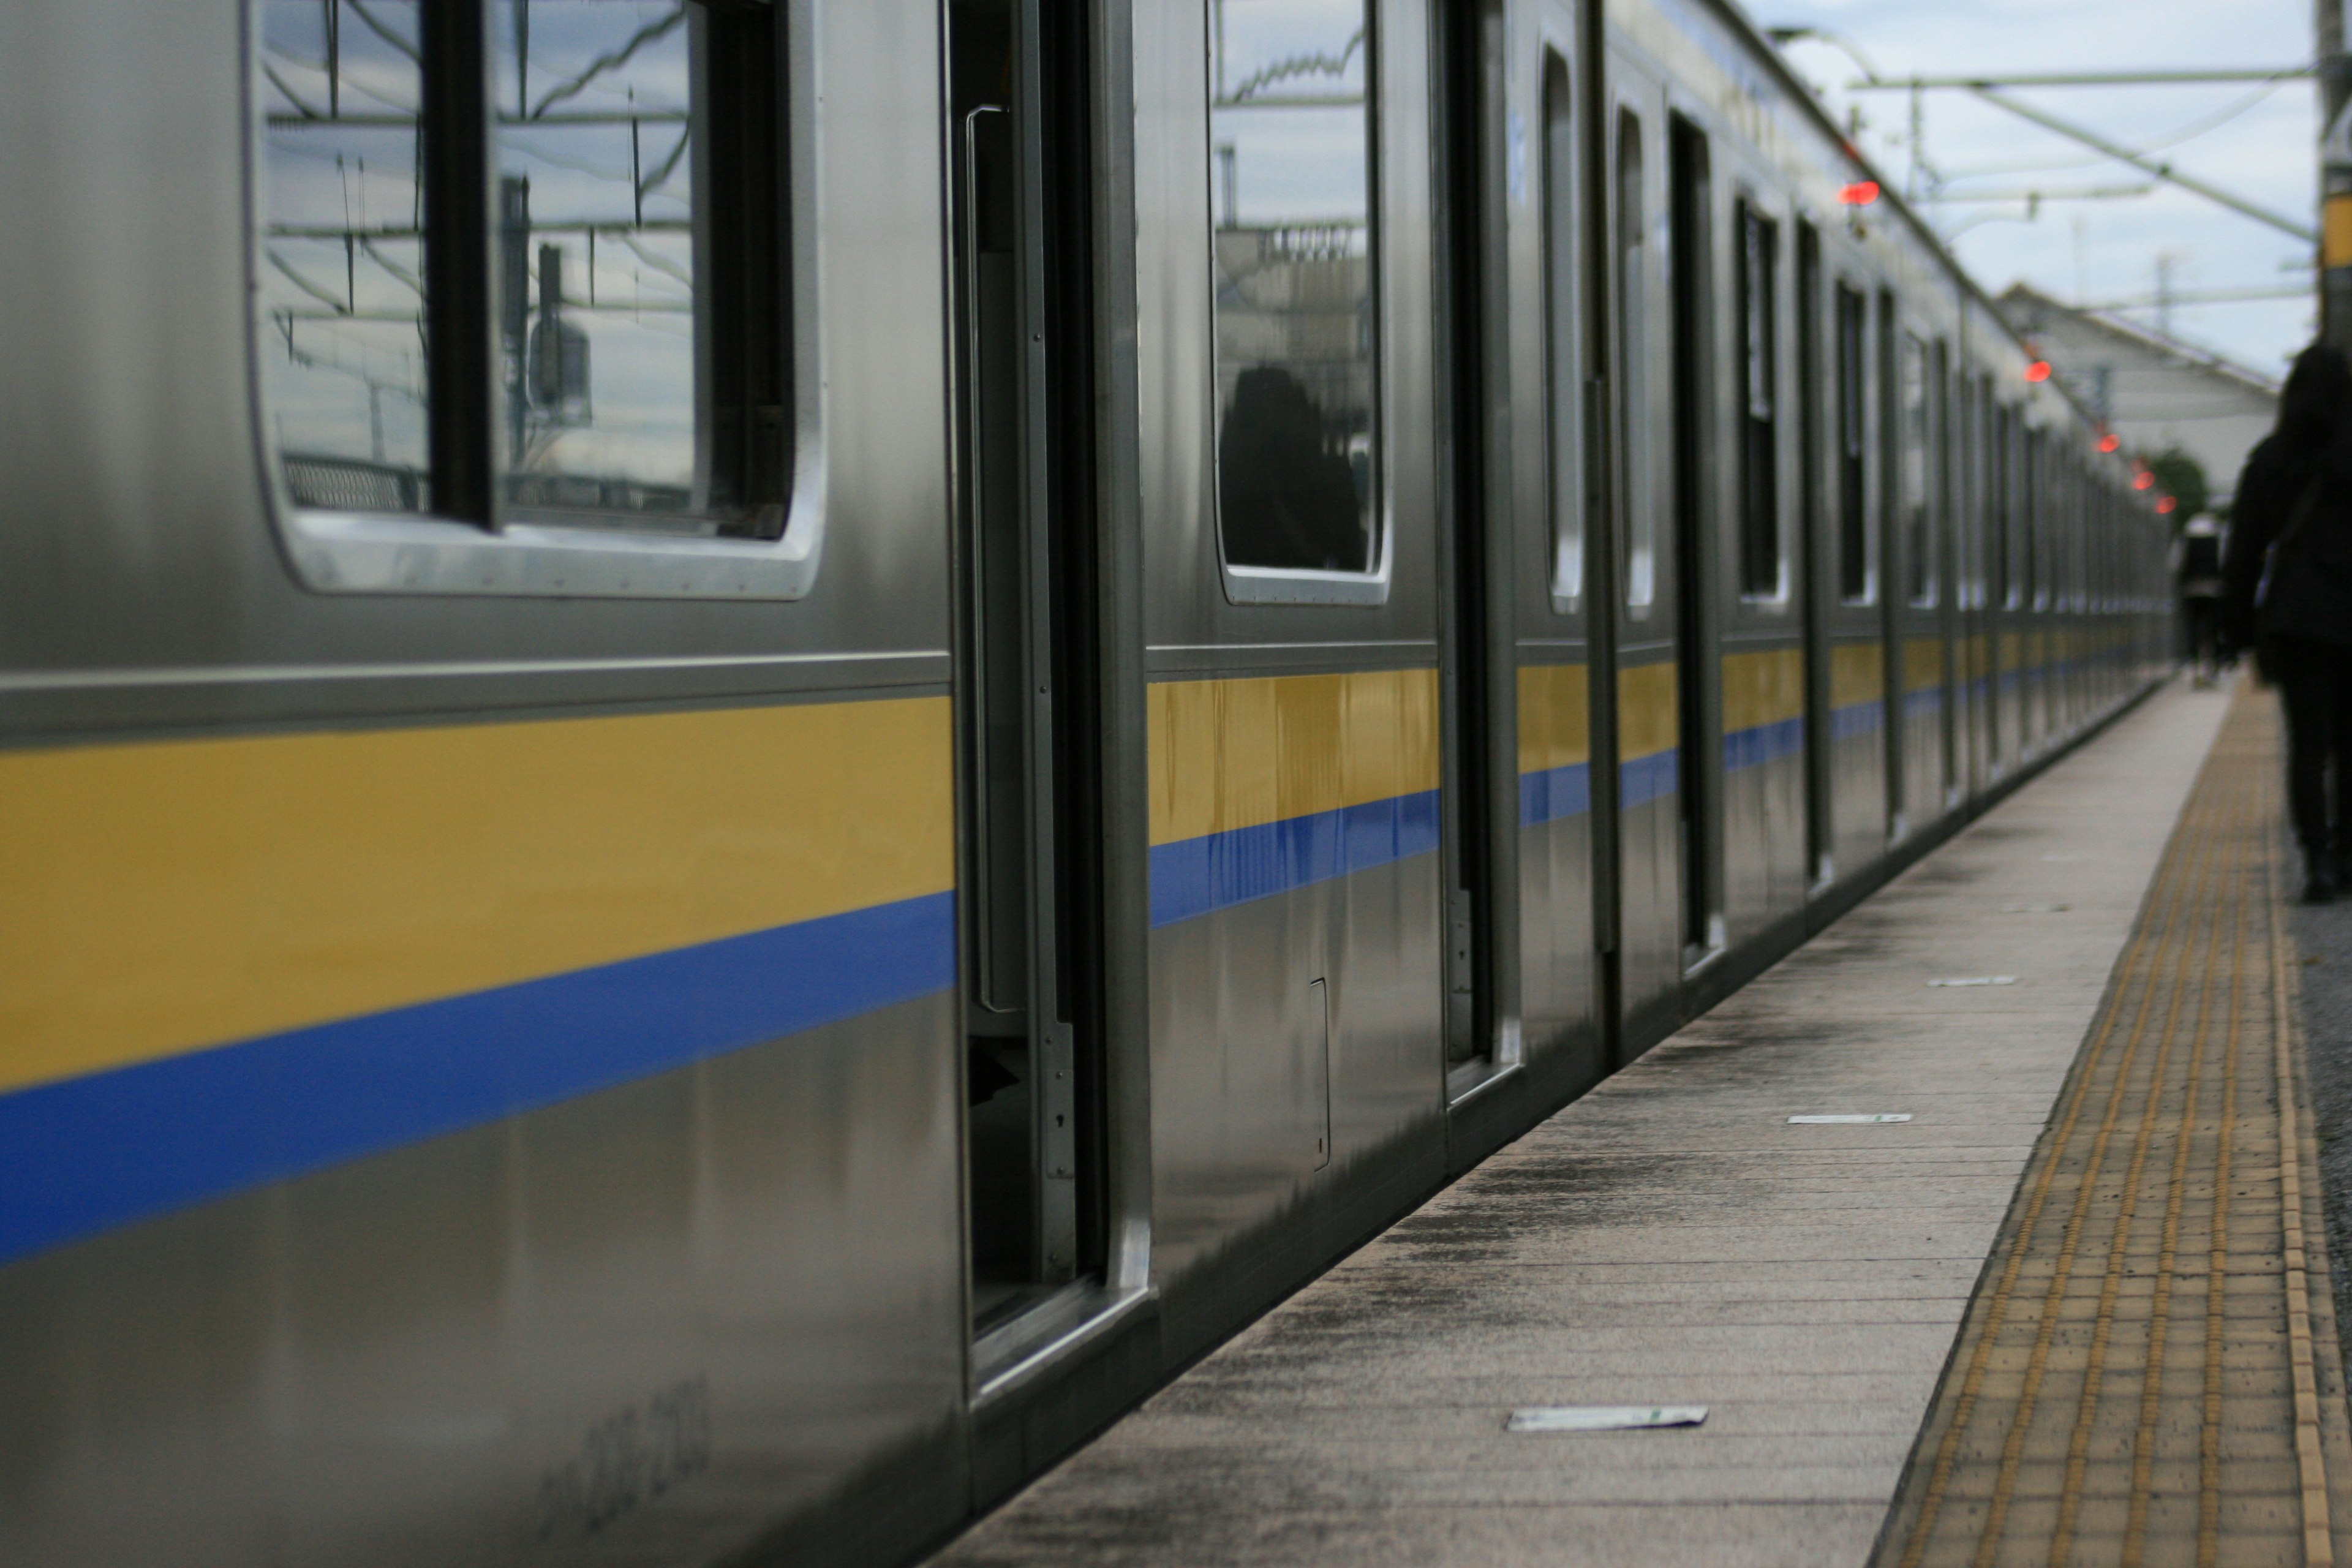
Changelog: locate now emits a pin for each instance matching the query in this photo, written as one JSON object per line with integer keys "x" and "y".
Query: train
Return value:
{"x": 754, "y": 749}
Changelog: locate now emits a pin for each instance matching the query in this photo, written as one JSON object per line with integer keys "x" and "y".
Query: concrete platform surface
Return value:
{"x": 1671, "y": 1238}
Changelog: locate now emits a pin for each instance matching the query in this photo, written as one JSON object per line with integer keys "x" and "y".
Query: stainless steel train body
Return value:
{"x": 754, "y": 748}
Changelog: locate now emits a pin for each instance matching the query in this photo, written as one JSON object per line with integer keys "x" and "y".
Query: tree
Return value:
{"x": 2183, "y": 477}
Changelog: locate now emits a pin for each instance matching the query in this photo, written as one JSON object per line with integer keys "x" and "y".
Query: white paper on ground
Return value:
{"x": 1602, "y": 1418}
{"x": 1849, "y": 1121}
{"x": 1979, "y": 980}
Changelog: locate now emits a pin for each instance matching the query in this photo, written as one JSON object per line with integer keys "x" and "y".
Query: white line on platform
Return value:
{"x": 1603, "y": 1417}
{"x": 1849, "y": 1120}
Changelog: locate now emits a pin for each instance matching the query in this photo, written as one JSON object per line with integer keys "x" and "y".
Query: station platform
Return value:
{"x": 2074, "y": 1309}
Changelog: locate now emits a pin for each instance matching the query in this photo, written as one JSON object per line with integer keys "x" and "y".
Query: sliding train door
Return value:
{"x": 1639, "y": 826}
{"x": 1537, "y": 584}
{"x": 1541, "y": 559}
{"x": 1028, "y": 663}
{"x": 1484, "y": 133}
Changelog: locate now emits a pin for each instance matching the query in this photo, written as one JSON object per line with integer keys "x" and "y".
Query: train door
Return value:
{"x": 1487, "y": 146}
{"x": 1541, "y": 559}
{"x": 1029, "y": 781}
{"x": 1637, "y": 829}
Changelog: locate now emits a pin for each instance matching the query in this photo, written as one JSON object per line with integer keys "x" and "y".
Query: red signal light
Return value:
{"x": 2038, "y": 371}
{"x": 2110, "y": 441}
{"x": 1860, "y": 194}
{"x": 2165, "y": 506}
{"x": 2143, "y": 480}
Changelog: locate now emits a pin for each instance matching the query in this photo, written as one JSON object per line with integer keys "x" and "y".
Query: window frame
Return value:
{"x": 1248, "y": 586}
{"x": 445, "y": 553}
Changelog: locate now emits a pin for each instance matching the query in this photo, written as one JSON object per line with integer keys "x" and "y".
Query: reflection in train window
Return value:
{"x": 1758, "y": 240}
{"x": 1641, "y": 552}
{"x": 342, "y": 253}
{"x": 639, "y": 251}
{"x": 1298, "y": 421}
{"x": 1563, "y": 373}
{"x": 1854, "y": 520}
{"x": 1918, "y": 551}
{"x": 633, "y": 272}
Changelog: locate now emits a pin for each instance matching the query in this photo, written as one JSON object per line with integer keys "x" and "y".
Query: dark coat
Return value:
{"x": 2310, "y": 584}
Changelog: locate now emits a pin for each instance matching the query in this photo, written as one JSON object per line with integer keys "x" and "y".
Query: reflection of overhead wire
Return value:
{"x": 653, "y": 182}
{"x": 307, "y": 110}
{"x": 356, "y": 84}
{"x": 618, "y": 176}
{"x": 1316, "y": 64}
{"x": 360, "y": 8}
{"x": 332, "y": 302}
{"x": 658, "y": 263}
{"x": 310, "y": 361}
{"x": 610, "y": 60}
{"x": 415, "y": 283}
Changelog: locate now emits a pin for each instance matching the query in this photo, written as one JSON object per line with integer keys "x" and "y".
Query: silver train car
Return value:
{"x": 753, "y": 749}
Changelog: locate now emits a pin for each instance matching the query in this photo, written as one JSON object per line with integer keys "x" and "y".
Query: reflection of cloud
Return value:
{"x": 1261, "y": 37}
{"x": 1295, "y": 164}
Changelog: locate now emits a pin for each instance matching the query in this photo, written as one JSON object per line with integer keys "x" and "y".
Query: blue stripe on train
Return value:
{"x": 1217, "y": 871}
{"x": 1763, "y": 743}
{"x": 87, "y": 1154}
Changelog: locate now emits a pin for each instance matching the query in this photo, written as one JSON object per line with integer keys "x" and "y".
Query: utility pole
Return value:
{"x": 2334, "y": 177}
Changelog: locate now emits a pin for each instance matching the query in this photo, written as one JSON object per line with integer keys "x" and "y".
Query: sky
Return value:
{"x": 2260, "y": 143}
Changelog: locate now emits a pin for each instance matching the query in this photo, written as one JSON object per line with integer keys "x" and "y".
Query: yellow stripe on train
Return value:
{"x": 166, "y": 896}
{"x": 1226, "y": 754}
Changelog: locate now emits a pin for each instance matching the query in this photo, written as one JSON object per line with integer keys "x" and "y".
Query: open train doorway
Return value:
{"x": 1690, "y": 239}
{"x": 1027, "y": 661}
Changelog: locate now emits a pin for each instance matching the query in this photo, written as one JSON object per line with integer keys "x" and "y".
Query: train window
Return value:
{"x": 576, "y": 213}
{"x": 1641, "y": 568}
{"x": 639, "y": 266}
{"x": 342, "y": 253}
{"x": 1854, "y": 584}
{"x": 1563, "y": 376}
{"x": 1919, "y": 540}
{"x": 1295, "y": 316}
{"x": 1757, "y": 259}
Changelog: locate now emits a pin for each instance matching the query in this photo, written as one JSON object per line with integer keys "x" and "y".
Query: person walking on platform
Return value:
{"x": 2286, "y": 593}
{"x": 2199, "y": 575}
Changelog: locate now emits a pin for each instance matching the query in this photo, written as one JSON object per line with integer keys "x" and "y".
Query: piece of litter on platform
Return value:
{"x": 2035, "y": 909}
{"x": 1979, "y": 980}
{"x": 1603, "y": 1417}
{"x": 1849, "y": 1120}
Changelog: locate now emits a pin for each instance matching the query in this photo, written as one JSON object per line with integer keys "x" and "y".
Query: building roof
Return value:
{"x": 2153, "y": 390}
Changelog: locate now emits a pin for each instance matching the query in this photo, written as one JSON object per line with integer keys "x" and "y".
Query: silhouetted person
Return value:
{"x": 2286, "y": 591}
{"x": 1286, "y": 499}
{"x": 2199, "y": 577}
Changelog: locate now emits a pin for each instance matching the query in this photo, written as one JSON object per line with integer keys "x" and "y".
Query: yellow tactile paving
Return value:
{"x": 2149, "y": 1372}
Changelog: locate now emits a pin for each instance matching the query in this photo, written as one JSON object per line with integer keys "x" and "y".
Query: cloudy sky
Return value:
{"x": 2257, "y": 141}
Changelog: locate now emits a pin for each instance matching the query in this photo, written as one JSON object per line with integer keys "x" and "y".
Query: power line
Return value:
{"x": 2166, "y": 172}
{"x": 1876, "y": 83}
